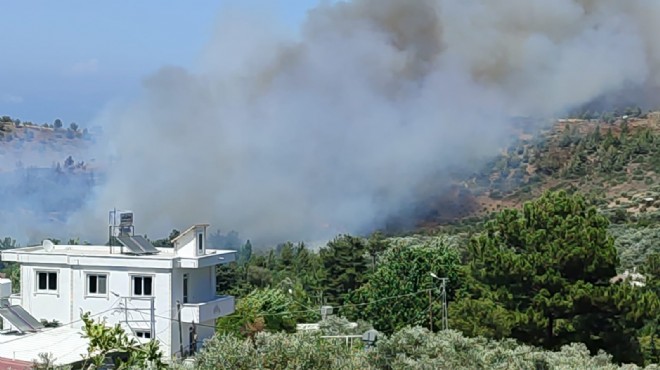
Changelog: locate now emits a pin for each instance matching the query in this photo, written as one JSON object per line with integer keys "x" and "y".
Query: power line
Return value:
{"x": 314, "y": 310}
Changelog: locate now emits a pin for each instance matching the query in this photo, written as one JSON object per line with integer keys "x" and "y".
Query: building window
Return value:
{"x": 47, "y": 281}
{"x": 97, "y": 284}
{"x": 185, "y": 288}
{"x": 200, "y": 243}
{"x": 143, "y": 334}
{"x": 142, "y": 285}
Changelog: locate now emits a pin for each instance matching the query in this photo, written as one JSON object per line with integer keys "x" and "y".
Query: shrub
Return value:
{"x": 411, "y": 348}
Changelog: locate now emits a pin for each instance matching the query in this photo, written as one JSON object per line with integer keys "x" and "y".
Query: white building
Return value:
{"x": 145, "y": 289}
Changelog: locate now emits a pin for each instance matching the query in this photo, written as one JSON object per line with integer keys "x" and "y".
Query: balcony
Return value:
{"x": 206, "y": 311}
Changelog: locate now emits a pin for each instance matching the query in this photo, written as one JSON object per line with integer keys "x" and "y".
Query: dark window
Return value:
{"x": 137, "y": 286}
{"x": 97, "y": 284}
{"x": 47, "y": 281}
{"x": 185, "y": 288}
{"x": 147, "y": 285}
{"x": 142, "y": 285}
{"x": 200, "y": 242}
{"x": 143, "y": 334}
{"x": 43, "y": 281}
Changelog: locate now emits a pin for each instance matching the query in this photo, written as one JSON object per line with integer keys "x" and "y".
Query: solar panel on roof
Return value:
{"x": 145, "y": 244}
{"x": 31, "y": 320}
{"x": 132, "y": 246}
{"x": 137, "y": 245}
{"x": 17, "y": 319}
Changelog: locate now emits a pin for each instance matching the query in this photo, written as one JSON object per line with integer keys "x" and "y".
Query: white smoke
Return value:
{"x": 284, "y": 137}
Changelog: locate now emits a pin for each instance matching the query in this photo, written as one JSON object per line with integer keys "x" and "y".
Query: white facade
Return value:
{"x": 140, "y": 292}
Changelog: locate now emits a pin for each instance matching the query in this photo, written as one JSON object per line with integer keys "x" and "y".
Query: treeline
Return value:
{"x": 607, "y": 115}
{"x": 57, "y": 123}
{"x": 8, "y": 126}
{"x": 588, "y": 154}
{"x": 540, "y": 275}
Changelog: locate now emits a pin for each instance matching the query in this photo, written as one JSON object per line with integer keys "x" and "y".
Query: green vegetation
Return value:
{"x": 545, "y": 271}
{"x": 539, "y": 275}
{"x": 410, "y": 348}
{"x": 113, "y": 342}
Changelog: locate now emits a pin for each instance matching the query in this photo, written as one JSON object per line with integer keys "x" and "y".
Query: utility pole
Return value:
{"x": 431, "y": 309}
{"x": 178, "y": 318}
{"x": 443, "y": 287}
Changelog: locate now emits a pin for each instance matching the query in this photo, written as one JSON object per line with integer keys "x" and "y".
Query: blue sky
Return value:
{"x": 67, "y": 59}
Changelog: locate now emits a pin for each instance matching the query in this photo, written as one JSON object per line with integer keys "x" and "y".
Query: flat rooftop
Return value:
{"x": 65, "y": 343}
{"x": 113, "y": 256}
{"x": 104, "y": 250}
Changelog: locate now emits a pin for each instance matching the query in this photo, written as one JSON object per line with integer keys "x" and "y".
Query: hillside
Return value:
{"x": 614, "y": 160}
{"x": 45, "y": 171}
{"x": 616, "y": 163}
{"x": 24, "y": 144}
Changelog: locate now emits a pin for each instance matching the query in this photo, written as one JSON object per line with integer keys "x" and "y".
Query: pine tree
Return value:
{"x": 547, "y": 267}
{"x": 345, "y": 266}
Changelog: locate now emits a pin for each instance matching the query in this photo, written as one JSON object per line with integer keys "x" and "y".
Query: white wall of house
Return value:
{"x": 118, "y": 303}
{"x": 72, "y": 297}
{"x": 49, "y": 305}
{"x": 191, "y": 242}
{"x": 201, "y": 288}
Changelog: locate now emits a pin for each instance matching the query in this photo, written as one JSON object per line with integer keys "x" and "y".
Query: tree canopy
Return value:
{"x": 541, "y": 275}
{"x": 397, "y": 293}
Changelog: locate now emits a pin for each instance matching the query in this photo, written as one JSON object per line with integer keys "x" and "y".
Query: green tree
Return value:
{"x": 285, "y": 259}
{"x": 376, "y": 244}
{"x": 547, "y": 268}
{"x": 345, "y": 264}
{"x": 7, "y": 243}
{"x": 105, "y": 341}
{"x": 397, "y": 293}
{"x": 245, "y": 253}
{"x": 167, "y": 242}
{"x": 262, "y": 309}
{"x": 57, "y": 123}
{"x": 309, "y": 272}
{"x": 73, "y": 126}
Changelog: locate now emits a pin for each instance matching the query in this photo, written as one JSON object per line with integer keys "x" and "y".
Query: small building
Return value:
{"x": 633, "y": 278}
{"x": 167, "y": 294}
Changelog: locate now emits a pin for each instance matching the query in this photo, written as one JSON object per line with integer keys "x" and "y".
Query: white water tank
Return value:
{"x": 5, "y": 288}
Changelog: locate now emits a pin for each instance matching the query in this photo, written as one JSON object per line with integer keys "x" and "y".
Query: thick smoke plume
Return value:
{"x": 333, "y": 130}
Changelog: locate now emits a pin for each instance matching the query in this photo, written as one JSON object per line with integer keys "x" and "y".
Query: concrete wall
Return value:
{"x": 201, "y": 284}
{"x": 187, "y": 243}
{"x": 201, "y": 288}
{"x": 71, "y": 298}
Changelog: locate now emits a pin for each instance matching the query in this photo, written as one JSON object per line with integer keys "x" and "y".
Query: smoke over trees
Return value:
{"x": 333, "y": 130}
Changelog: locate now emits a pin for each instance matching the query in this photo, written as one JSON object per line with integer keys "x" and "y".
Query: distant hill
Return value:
{"x": 617, "y": 163}
{"x": 23, "y": 144}
{"x": 45, "y": 171}
{"x": 613, "y": 159}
